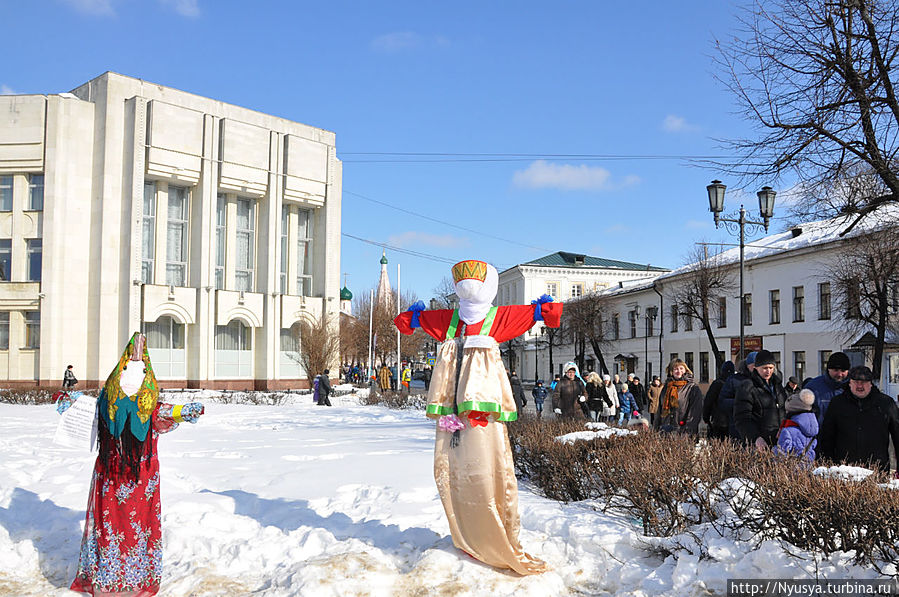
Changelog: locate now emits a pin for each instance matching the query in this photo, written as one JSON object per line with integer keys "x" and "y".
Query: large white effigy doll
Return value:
{"x": 471, "y": 397}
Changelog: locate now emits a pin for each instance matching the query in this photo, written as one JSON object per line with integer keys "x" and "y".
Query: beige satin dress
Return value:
{"x": 476, "y": 479}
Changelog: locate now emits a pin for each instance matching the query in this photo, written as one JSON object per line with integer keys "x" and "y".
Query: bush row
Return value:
{"x": 671, "y": 483}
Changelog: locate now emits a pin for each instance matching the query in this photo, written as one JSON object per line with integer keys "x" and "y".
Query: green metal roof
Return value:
{"x": 345, "y": 294}
{"x": 566, "y": 259}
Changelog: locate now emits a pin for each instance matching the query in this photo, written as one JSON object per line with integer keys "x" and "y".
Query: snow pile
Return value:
{"x": 600, "y": 431}
{"x": 297, "y": 499}
{"x": 845, "y": 472}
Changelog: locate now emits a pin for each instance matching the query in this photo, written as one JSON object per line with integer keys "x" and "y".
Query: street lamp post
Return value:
{"x": 739, "y": 223}
{"x": 651, "y": 314}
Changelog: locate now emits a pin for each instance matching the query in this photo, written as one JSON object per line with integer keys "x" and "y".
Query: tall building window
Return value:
{"x": 5, "y": 193}
{"x": 824, "y": 300}
{"x": 616, "y": 327}
{"x": 4, "y": 330}
{"x": 774, "y": 303}
{"x": 285, "y": 218}
{"x": 5, "y": 259}
{"x": 552, "y": 289}
{"x": 577, "y": 290}
{"x": 632, "y": 320}
{"x": 34, "y": 246}
{"x": 650, "y": 321}
{"x": 722, "y": 312}
{"x": 673, "y": 318}
{"x": 234, "y": 336}
{"x": 799, "y": 303}
{"x": 703, "y": 367}
{"x": 148, "y": 232}
{"x": 688, "y": 359}
{"x": 799, "y": 364}
{"x": 304, "y": 253}
{"x": 164, "y": 333}
{"x": 747, "y": 309}
{"x": 776, "y": 355}
{"x": 673, "y": 356}
{"x": 221, "y": 219}
{"x": 688, "y": 319}
{"x": 823, "y": 357}
{"x": 246, "y": 244}
{"x": 36, "y": 192}
{"x": 32, "y": 329}
{"x": 176, "y": 237}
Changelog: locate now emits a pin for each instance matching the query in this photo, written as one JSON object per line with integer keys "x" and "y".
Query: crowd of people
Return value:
{"x": 840, "y": 415}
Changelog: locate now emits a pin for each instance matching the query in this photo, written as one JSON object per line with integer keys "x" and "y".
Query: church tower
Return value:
{"x": 384, "y": 295}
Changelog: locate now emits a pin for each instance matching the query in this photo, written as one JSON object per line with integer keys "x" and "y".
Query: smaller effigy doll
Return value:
{"x": 471, "y": 398}
{"x": 121, "y": 552}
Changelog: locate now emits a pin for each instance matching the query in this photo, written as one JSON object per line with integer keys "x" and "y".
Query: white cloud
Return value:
{"x": 185, "y": 8}
{"x": 677, "y": 124}
{"x": 413, "y": 238}
{"x": 617, "y": 229}
{"x": 698, "y": 224}
{"x": 547, "y": 175}
{"x": 400, "y": 41}
{"x": 7, "y": 90}
{"x": 92, "y": 7}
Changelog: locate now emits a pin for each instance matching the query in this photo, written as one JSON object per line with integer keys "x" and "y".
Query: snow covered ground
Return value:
{"x": 297, "y": 499}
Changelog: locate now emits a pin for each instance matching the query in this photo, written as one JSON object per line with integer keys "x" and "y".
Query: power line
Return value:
{"x": 412, "y": 157}
{"x": 412, "y": 213}
{"x": 401, "y": 250}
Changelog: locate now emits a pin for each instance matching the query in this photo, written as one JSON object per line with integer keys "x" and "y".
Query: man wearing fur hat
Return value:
{"x": 800, "y": 428}
{"x": 759, "y": 404}
{"x": 569, "y": 394}
{"x": 831, "y": 383}
{"x": 860, "y": 423}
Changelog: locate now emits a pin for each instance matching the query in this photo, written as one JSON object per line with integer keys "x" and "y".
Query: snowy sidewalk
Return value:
{"x": 305, "y": 500}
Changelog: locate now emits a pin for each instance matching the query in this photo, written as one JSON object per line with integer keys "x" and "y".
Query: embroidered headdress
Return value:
{"x": 120, "y": 409}
{"x": 475, "y": 283}
{"x": 470, "y": 269}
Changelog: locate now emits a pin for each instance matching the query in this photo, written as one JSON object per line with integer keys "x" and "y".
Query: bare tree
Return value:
{"x": 442, "y": 293}
{"x": 866, "y": 274}
{"x": 696, "y": 292}
{"x": 319, "y": 344}
{"x": 383, "y": 330}
{"x": 815, "y": 77}
{"x": 585, "y": 320}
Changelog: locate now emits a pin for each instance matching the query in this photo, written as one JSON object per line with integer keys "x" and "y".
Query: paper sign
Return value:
{"x": 78, "y": 424}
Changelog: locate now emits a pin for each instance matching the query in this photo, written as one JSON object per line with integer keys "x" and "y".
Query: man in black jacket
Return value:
{"x": 759, "y": 404}
{"x": 718, "y": 425}
{"x": 859, "y": 424}
{"x": 324, "y": 388}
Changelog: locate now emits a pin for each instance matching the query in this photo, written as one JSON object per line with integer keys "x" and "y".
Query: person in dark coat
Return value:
{"x": 596, "y": 396}
{"x": 639, "y": 392}
{"x": 829, "y": 384}
{"x": 718, "y": 425}
{"x": 569, "y": 394}
{"x": 539, "y": 393}
{"x": 517, "y": 392}
{"x": 725, "y": 411}
{"x": 759, "y": 404}
{"x": 860, "y": 423}
{"x": 680, "y": 403}
{"x": 324, "y": 388}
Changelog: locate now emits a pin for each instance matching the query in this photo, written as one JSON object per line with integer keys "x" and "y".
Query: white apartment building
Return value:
{"x": 126, "y": 205}
{"x": 563, "y": 276}
{"x": 791, "y": 311}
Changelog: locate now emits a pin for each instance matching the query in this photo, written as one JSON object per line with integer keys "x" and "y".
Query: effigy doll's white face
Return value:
{"x": 476, "y": 291}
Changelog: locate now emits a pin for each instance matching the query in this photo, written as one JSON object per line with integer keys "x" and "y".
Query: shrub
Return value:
{"x": 397, "y": 400}
{"x": 671, "y": 483}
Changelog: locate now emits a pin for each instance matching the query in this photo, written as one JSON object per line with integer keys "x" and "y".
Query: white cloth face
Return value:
{"x": 476, "y": 297}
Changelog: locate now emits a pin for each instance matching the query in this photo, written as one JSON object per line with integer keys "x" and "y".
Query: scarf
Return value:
{"x": 122, "y": 432}
{"x": 672, "y": 391}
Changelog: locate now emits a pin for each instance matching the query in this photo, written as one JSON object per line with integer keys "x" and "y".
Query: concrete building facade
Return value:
{"x": 126, "y": 205}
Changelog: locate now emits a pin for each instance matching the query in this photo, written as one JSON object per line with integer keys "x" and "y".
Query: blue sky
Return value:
{"x": 536, "y": 79}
